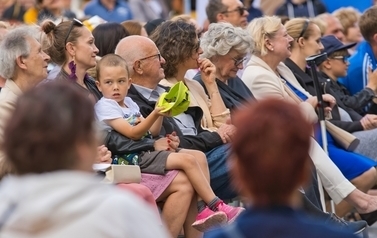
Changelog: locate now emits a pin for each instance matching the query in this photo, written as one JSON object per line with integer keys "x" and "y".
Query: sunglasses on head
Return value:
{"x": 306, "y": 24}
{"x": 241, "y": 10}
{"x": 75, "y": 22}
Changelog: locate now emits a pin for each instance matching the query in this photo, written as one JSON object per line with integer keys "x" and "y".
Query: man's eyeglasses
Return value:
{"x": 241, "y": 10}
{"x": 342, "y": 58}
{"x": 306, "y": 25}
{"x": 152, "y": 56}
{"x": 75, "y": 22}
{"x": 238, "y": 62}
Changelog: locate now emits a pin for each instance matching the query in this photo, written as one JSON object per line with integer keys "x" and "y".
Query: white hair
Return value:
{"x": 222, "y": 37}
{"x": 14, "y": 45}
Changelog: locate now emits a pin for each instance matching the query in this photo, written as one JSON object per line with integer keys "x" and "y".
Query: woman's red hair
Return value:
{"x": 270, "y": 150}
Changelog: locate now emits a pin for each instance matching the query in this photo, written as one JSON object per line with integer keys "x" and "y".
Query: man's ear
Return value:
{"x": 326, "y": 64}
{"x": 137, "y": 67}
{"x": 20, "y": 61}
{"x": 220, "y": 17}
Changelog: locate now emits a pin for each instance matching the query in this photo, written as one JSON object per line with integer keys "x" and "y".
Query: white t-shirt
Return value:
{"x": 108, "y": 109}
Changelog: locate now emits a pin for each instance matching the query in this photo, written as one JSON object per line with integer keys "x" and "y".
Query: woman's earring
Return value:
{"x": 72, "y": 67}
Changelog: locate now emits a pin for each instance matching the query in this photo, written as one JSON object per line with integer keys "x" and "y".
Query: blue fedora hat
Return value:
{"x": 331, "y": 44}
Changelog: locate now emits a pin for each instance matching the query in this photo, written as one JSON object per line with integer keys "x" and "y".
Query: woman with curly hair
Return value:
{"x": 227, "y": 46}
{"x": 179, "y": 45}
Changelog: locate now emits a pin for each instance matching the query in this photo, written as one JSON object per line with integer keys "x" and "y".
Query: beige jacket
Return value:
{"x": 8, "y": 99}
{"x": 263, "y": 82}
{"x": 198, "y": 98}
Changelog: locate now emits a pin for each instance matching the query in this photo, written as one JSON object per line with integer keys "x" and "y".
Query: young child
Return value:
{"x": 121, "y": 113}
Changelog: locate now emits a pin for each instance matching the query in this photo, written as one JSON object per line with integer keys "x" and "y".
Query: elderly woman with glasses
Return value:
{"x": 267, "y": 76}
{"x": 307, "y": 42}
{"x": 226, "y": 46}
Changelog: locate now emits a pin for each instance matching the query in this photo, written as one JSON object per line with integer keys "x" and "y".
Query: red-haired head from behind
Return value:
{"x": 270, "y": 151}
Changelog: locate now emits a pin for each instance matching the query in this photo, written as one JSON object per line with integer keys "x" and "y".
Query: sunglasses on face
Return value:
{"x": 152, "y": 56}
{"x": 241, "y": 10}
{"x": 342, "y": 58}
{"x": 306, "y": 25}
{"x": 238, "y": 62}
{"x": 75, "y": 22}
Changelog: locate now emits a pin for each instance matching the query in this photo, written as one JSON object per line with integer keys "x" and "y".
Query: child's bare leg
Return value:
{"x": 201, "y": 159}
{"x": 190, "y": 166}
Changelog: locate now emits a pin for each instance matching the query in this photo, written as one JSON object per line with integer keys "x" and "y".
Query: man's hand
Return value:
{"x": 226, "y": 132}
{"x": 163, "y": 144}
{"x": 369, "y": 121}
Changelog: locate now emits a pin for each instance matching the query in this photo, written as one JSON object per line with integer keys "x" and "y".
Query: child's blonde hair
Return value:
{"x": 111, "y": 60}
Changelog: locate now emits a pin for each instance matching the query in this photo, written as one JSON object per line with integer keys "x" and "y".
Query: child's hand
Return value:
{"x": 164, "y": 114}
{"x": 104, "y": 155}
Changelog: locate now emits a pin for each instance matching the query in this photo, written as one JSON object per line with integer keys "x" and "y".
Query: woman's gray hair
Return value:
{"x": 14, "y": 45}
{"x": 222, "y": 37}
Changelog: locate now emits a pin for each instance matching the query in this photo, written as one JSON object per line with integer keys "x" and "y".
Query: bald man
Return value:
{"x": 145, "y": 63}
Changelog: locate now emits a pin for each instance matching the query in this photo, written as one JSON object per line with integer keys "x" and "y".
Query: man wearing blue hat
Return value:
{"x": 336, "y": 66}
{"x": 350, "y": 107}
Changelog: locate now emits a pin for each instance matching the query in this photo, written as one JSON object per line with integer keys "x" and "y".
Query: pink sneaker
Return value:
{"x": 207, "y": 219}
{"x": 231, "y": 212}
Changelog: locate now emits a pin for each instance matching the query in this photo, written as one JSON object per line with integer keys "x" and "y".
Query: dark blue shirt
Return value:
{"x": 279, "y": 222}
{"x": 120, "y": 13}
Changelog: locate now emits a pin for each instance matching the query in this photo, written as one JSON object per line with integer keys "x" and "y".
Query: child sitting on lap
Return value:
{"x": 121, "y": 113}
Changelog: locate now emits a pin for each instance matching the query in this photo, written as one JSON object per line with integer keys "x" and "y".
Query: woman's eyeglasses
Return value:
{"x": 306, "y": 24}
{"x": 241, "y": 10}
{"x": 75, "y": 22}
{"x": 238, "y": 62}
{"x": 342, "y": 58}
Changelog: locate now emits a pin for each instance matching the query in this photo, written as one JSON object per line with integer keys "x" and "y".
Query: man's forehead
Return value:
{"x": 231, "y": 3}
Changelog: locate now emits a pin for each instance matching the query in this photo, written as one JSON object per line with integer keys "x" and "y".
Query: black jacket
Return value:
{"x": 310, "y": 8}
{"x": 307, "y": 83}
{"x": 203, "y": 141}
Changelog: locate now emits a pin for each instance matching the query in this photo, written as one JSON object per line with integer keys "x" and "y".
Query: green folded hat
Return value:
{"x": 177, "y": 100}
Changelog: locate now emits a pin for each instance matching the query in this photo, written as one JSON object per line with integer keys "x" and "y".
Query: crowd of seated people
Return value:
{"x": 194, "y": 162}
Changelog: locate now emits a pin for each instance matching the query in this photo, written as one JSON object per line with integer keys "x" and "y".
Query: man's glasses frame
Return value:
{"x": 241, "y": 10}
{"x": 306, "y": 25}
{"x": 158, "y": 54}
{"x": 75, "y": 22}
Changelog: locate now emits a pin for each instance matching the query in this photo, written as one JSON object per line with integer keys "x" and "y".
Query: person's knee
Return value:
{"x": 189, "y": 161}
{"x": 183, "y": 184}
